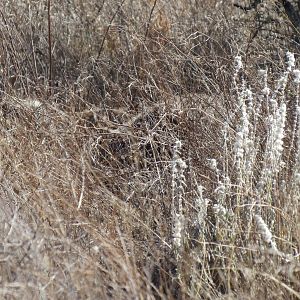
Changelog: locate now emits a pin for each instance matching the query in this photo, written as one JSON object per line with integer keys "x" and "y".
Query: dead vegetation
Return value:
{"x": 129, "y": 145}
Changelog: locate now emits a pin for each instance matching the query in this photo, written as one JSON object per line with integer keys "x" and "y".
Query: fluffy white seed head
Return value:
{"x": 297, "y": 76}
{"x": 213, "y": 164}
{"x": 263, "y": 229}
{"x": 178, "y": 186}
{"x": 238, "y": 63}
{"x": 262, "y": 72}
{"x": 266, "y": 235}
{"x": 219, "y": 210}
{"x": 290, "y": 61}
{"x": 178, "y": 230}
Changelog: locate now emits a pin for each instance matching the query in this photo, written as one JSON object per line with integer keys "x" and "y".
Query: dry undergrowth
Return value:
{"x": 160, "y": 162}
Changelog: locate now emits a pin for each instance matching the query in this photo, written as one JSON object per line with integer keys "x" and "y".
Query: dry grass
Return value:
{"x": 151, "y": 165}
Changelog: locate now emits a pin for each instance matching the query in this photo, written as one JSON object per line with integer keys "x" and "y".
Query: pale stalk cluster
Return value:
{"x": 276, "y": 124}
{"x": 244, "y": 149}
{"x": 246, "y": 139}
{"x": 249, "y": 109}
{"x": 272, "y": 156}
{"x": 279, "y": 93}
